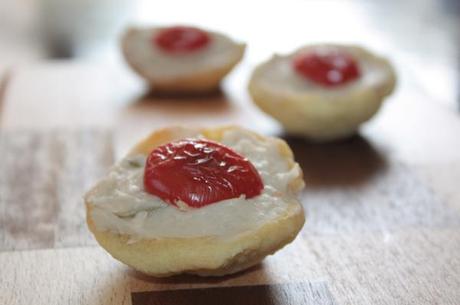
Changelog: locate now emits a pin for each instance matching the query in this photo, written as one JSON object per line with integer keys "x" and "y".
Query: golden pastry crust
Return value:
{"x": 191, "y": 82}
{"x": 207, "y": 255}
{"x": 317, "y": 114}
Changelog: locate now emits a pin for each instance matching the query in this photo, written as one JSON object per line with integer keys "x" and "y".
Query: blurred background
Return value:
{"x": 422, "y": 37}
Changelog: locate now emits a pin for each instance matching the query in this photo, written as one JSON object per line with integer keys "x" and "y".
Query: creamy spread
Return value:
{"x": 121, "y": 205}
{"x": 278, "y": 74}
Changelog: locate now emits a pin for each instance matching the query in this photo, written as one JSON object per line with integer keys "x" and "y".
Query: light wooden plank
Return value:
{"x": 70, "y": 276}
{"x": 43, "y": 177}
{"x": 64, "y": 94}
{"x": 28, "y": 199}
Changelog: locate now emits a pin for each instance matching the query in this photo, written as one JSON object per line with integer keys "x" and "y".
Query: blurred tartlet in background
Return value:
{"x": 181, "y": 59}
{"x": 323, "y": 92}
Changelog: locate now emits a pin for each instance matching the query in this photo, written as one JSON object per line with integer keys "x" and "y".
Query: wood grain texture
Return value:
{"x": 394, "y": 199}
{"x": 43, "y": 177}
{"x": 77, "y": 95}
{"x": 64, "y": 276}
{"x": 409, "y": 267}
{"x": 383, "y": 208}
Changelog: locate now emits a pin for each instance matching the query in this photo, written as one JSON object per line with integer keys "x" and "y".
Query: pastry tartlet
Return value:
{"x": 198, "y": 201}
{"x": 322, "y": 92}
{"x": 180, "y": 59}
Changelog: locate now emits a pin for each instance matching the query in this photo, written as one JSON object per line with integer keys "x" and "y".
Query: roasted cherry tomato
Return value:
{"x": 327, "y": 69}
{"x": 181, "y": 39}
{"x": 199, "y": 172}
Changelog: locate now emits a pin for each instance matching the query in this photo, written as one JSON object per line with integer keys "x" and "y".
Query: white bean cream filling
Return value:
{"x": 121, "y": 205}
{"x": 278, "y": 75}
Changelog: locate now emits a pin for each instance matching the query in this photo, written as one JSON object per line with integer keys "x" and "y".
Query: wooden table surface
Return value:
{"x": 383, "y": 208}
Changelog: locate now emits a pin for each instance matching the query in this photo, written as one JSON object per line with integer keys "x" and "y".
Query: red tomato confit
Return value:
{"x": 198, "y": 173}
{"x": 327, "y": 69}
{"x": 181, "y": 39}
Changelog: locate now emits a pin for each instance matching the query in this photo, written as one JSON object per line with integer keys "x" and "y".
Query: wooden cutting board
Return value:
{"x": 383, "y": 208}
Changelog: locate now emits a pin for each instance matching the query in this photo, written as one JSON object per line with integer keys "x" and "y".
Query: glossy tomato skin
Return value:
{"x": 199, "y": 172}
{"x": 328, "y": 69}
{"x": 181, "y": 39}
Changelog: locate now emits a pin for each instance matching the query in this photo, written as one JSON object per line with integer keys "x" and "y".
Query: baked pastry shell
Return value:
{"x": 206, "y": 255}
{"x": 324, "y": 117}
{"x": 195, "y": 82}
